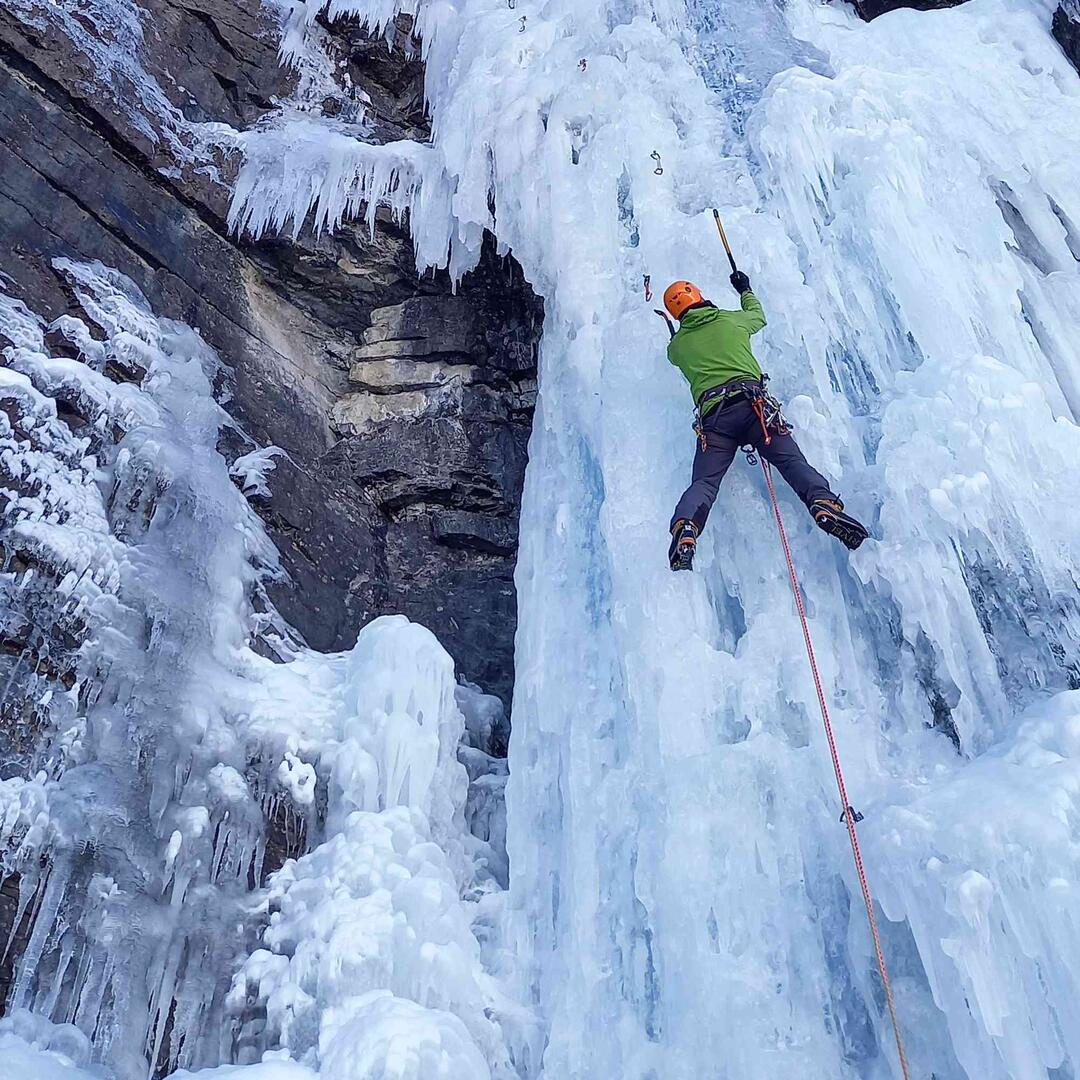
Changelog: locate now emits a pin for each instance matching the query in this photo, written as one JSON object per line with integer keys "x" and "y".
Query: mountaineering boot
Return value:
{"x": 830, "y": 517}
{"x": 684, "y": 536}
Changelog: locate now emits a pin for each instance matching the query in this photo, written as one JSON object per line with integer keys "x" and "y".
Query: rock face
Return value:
{"x": 403, "y": 409}
{"x": 871, "y": 9}
{"x": 1066, "y": 28}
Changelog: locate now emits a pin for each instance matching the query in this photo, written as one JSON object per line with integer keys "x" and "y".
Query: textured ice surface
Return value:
{"x": 905, "y": 197}
{"x": 31, "y": 1047}
{"x": 369, "y": 966}
{"x": 193, "y": 734}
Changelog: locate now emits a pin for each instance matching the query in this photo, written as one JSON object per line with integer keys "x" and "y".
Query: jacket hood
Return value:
{"x": 698, "y": 316}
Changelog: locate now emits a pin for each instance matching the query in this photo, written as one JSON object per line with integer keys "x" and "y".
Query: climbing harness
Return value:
{"x": 659, "y": 170}
{"x": 769, "y": 411}
{"x": 767, "y": 415}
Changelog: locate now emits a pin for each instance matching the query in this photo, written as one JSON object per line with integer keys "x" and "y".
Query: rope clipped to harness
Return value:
{"x": 769, "y": 411}
{"x": 771, "y": 418}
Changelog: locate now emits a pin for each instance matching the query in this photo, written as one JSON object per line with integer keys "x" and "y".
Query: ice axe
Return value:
{"x": 731, "y": 259}
{"x": 724, "y": 240}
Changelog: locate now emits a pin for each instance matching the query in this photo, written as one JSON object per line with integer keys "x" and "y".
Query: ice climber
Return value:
{"x": 712, "y": 349}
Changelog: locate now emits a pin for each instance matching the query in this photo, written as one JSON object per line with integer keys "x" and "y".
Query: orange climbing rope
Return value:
{"x": 849, "y": 815}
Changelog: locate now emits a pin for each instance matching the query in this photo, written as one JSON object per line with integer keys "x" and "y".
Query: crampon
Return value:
{"x": 830, "y": 517}
{"x": 684, "y": 536}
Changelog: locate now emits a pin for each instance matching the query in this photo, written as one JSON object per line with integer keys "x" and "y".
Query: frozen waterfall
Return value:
{"x": 905, "y": 195}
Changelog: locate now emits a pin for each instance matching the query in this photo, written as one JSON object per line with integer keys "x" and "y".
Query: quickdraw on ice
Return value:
{"x": 524, "y": 19}
{"x": 849, "y": 816}
{"x": 648, "y": 287}
{"x": 659, "y": 170}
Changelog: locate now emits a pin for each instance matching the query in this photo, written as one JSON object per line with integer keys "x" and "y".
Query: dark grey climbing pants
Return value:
{"x": 726, "y": 429}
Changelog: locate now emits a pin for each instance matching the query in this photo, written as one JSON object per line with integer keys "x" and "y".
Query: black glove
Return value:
{"x": 740, "y": 282}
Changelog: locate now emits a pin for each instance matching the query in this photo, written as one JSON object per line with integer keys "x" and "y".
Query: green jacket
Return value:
{"x": 712, "y": 347}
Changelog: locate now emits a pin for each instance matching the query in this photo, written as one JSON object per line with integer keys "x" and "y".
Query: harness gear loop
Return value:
{"x": 699, "y": 431}
{"x": 849, "y": 816}
{"x": 767, "y": 409}
{"x": 758, "y": 406}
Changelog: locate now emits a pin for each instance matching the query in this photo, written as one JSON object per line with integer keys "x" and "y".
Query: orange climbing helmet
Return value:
{"x": 679, "y": 296}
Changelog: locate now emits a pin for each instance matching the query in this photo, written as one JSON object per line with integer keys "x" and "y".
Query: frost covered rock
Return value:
{"x": 1066, "y": 28}
{"x": 199, "y": 744}
{"x": 369, "y": 953}
{"x": 125, "y": 122}
{"x": 376, "y": 909}
{"x": 871, "y": 9}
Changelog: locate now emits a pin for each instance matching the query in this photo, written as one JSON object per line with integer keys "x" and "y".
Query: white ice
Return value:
{"x": 906, "y": 197}
{"x": 197, "y": 723}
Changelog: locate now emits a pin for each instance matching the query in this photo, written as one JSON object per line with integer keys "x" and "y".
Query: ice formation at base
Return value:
{"x": 190, "y": 736}
{"x": 906, "y": 197}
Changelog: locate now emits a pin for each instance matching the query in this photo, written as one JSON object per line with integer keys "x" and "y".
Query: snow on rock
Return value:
{"x": 1066, "y": 28}
{"x": 189, "y": 745}
{"x": 251, "y": 470}
{"x": 31, "y": 1047}
{"x": 904, "y": 195}
{"x": 108, "y": 37}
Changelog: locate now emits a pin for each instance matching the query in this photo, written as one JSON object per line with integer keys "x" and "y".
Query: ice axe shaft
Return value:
{"x": 724, "y": 240}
